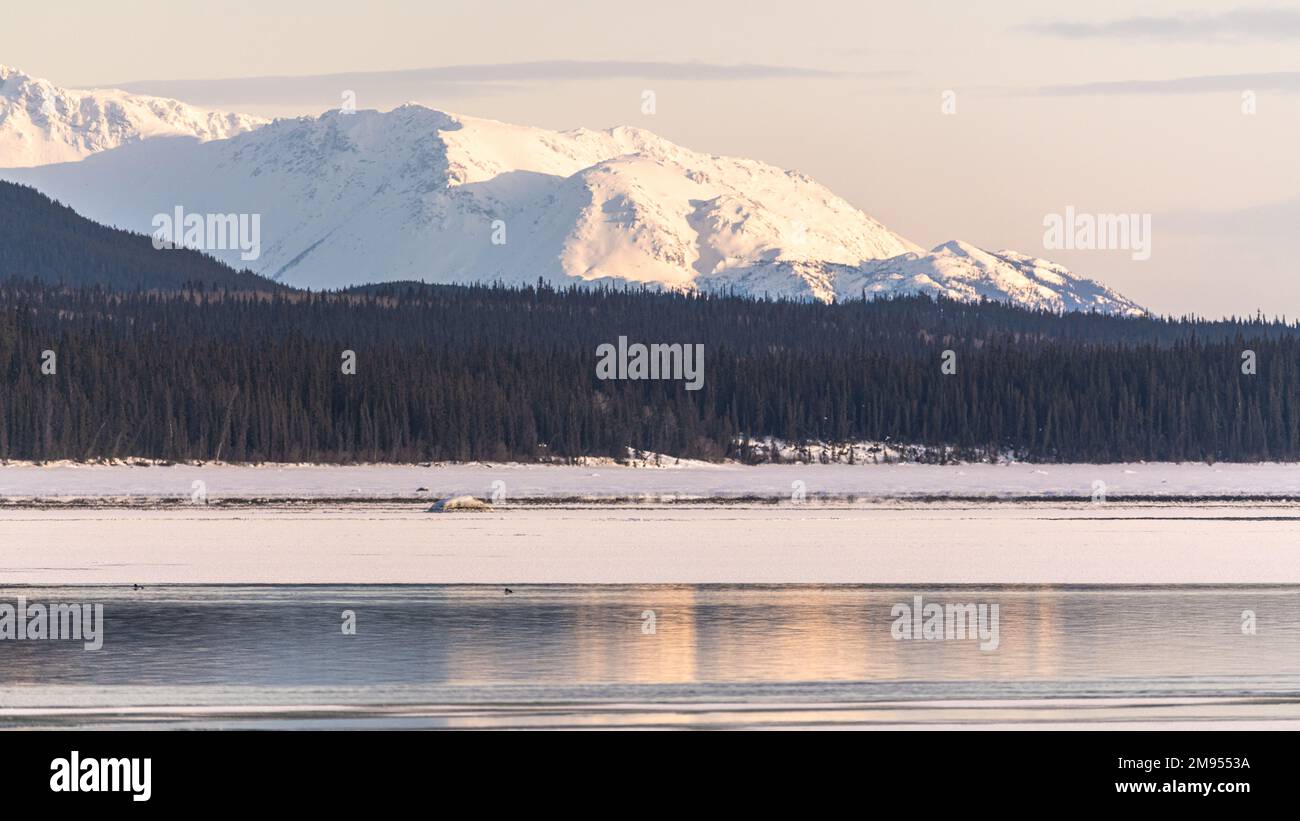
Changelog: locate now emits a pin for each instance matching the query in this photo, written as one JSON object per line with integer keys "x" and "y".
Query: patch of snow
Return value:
{"x": 459, "y": 503}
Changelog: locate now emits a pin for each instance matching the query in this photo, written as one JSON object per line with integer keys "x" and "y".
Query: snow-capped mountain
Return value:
{"x": 41, "y": 123}
{"x": 419, "y": 194}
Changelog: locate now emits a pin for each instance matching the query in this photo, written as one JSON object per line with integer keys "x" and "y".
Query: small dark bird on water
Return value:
{"x": 509, "y": 591}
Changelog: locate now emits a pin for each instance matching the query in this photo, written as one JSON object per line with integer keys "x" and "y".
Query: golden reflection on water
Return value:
{"x": 842, "y": 634}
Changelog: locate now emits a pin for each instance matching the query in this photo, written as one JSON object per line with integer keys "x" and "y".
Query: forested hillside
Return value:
{"x": 466, "y": 373}
{"x": 43, "y": 240}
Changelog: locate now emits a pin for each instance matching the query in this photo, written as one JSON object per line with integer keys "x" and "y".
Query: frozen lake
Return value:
{"x": 1127, "y": 612}
{"x": 894, "y": 543}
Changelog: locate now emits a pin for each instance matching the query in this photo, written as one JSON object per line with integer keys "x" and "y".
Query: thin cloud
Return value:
{"x": 1287, "y": 82}
{"x": 467, "y": 79}
{"x": 1237, "y": 24}
{"x": 1274, "y": 221}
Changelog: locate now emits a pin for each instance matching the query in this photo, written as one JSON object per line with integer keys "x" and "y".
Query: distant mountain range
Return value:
{"x": 418, "y": 194}
{"x": 41, "y": 123}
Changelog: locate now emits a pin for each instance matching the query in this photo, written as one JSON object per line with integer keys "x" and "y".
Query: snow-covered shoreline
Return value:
{"x": 599, "y": 480}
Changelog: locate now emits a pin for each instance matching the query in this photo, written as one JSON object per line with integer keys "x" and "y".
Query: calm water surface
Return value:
{"x": 657, "y": 656}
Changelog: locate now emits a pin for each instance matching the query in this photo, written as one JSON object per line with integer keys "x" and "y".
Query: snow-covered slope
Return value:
{"x": 41, "y": 123}
{"x": 961, "y": 271}
{"x": 418, "y": 194}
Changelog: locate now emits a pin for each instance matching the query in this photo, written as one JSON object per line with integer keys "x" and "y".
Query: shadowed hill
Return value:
{"x": 41, "y": 239}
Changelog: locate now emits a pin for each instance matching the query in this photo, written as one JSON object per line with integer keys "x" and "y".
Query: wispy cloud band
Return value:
{"x": 1287, "y": 82}
{"x": 1237, "y": 24}
{"x": 469, "y": 79}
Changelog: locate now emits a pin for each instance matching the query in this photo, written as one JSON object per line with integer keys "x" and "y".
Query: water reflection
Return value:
{"x": 741, "y": 645}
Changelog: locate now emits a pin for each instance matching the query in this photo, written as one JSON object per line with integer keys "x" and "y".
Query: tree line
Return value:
{"x": 494, "y": 373}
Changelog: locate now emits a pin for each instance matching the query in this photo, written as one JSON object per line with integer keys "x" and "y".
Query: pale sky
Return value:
{"x": 1110, "y": 107}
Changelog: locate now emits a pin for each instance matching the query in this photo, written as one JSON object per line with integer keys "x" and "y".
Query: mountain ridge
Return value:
{"x": 41, "y": 123}
{"x": 419, "y": 194}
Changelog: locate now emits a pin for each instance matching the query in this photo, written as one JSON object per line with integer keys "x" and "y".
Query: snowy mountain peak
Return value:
{"x": 9, "y": 72}
{"x": 960, "y": 270}
{"x": 420, "y": 194}
{"x": 41, "y": 123}
{"x": 958, "y": 248}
